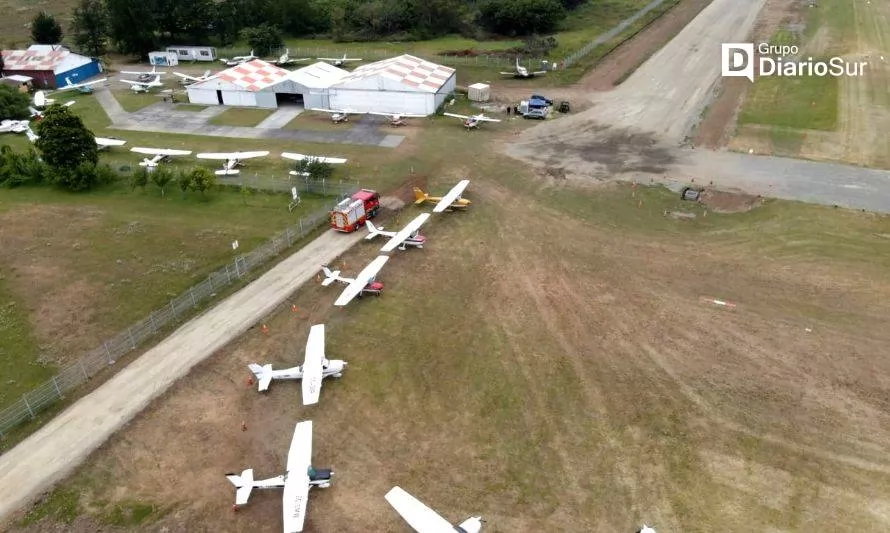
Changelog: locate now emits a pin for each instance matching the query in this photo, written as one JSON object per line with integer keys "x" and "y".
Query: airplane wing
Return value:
{"x": 102, "y": 141}
{"x": 405, "y": 232}
{"x": 455, "y": 115}
{"x": 232, "y": 155}
{"x": 324, "y": 110}
{"x": 186, "y": 77}
{"x": 79, "y": 85}
{"x": 159, "y": 151}
{"x": 329, "y": 58}
{"x": 486, "y": 119}
{"x": 320, "y": 159}
{"x": 451, "y": 197}
{"x": 296, "y": 484}
{"x": 356, "y": 286}
{"x": 539, "y": 72}
{"x": 312, "y": 365}
{"x": 131, "y": 82}
{"x": 508, "y": 73}
{"x": 419, "y": 516}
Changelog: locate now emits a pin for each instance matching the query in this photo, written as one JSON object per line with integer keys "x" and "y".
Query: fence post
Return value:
{"x": 237, "y": 272}
{"x": 27, "y": 405}
{"x": 151, "y": 318}
{"x": 56, "y": 385}
{"x": 287, "y": 236}
{"x": 302, "y": 233}
{"x": 107, "y": 352}
{"x": 192, "y": 292}
{"x": 132, "y": 340}
{"x": 228, "y": 276}
{"x": 82, "y": 369}
{"x": 173, "y": 307}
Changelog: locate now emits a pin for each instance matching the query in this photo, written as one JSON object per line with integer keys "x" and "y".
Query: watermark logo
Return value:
{"x": 738, "y": 60}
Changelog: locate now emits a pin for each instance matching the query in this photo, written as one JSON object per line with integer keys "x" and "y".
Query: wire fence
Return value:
{"x": 176, "y": 310}
{"x": 493, "y": 59}
{"x": 611, "y": 34}
{"x": 262, "y": 183}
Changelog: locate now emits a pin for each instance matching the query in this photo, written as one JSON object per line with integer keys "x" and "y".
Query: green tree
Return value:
{"x": 184, "y": 180}
{"x": 263, "y": 39}
{"x": 521, "y": 17}
{"x": 139, "y": 178}
{"x": 132, "y": 25}
{"x": 162, "y": 177}
{"x": 64, "y": 141}
{"x": 90, "y": 26}
{"x": 202, "y": 180}
{"x": 21, "y": 168}
{"x": 13, "y": 104}
{"x": 79, "y": 178}
{"x": 45, "y": 29}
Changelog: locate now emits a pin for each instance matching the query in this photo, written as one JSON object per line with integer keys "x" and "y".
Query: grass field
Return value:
{"x": 237, "y": 116}
{"x": 806, "y": 103}
{"x": 839, "y": 119}
{"x": 549, "y": 357}
{"x": 131, "y": 101}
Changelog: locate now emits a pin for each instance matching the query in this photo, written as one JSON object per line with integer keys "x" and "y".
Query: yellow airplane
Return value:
{"x": 451, "y": 200}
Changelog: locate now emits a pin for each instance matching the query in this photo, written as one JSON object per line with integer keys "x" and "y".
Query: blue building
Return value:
{"x": 50, "y": 65}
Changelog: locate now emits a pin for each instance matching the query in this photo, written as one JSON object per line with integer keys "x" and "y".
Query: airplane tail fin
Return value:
{"x": 243, "y": 485}
{"x": 419, "y": 196}
{"x": 330, "y": 277}
{"x": 373, "y": 230}
{"x": 472, "y": 524}
{"x": 263, "y": 375}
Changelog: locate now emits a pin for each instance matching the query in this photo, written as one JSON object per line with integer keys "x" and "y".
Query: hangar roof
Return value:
{"x": 318, "y": 75}
{"x": 37, "y": 58}
{"x": 254, "y": 75}
{"x": 416, "y": 73}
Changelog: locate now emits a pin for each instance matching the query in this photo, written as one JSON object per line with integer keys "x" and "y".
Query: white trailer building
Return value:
{"x": 193, "y": 53}
{"x": 403, "y": 84}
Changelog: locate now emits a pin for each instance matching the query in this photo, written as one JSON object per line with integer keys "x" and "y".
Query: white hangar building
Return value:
{"x": 261, "y": 84}
{"x": 403, "y": 84}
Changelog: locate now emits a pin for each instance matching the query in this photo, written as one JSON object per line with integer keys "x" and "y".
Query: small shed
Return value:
{"x": 479, "y": 92}
{"x": 22, "y": 83}
{"x": 163, "y": 59}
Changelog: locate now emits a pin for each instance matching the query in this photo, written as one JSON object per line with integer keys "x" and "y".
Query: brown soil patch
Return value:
{"x": 39, "y": 244}
{"x": 729, "y": 202}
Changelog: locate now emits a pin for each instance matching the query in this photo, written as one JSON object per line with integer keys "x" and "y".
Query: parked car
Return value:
{"x": 535, "y": 114}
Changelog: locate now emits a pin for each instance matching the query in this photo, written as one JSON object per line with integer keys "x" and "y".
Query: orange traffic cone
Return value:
{"x": 293, "y": 308}
{"x": 265, "y": 329}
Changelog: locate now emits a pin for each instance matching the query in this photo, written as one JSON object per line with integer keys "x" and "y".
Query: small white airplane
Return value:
{"x": 453, "y": 199}
{"x": 299, "y": 477}
{"x": 337, "y": 116}
{"x": 38, "y": 114}
{"x": 407, "y": 236}
{"x": 14, "y": 126}
{"x": 423, "y": 519}
{"x": 338, "y": 61}
{"x": 396, "y": 119}
{"x": 315, "y": 368}
{"x": 188, "y": 80}
{"x": 160, "y": 155}
{"x": 144, "y": 86}
{"x": 362, "y": 284}
{"x": 143, "y": 75}
{"x": 646, "y": 529}
{"x": 472, "y": 121}
{"x": 237, "y": 60}
{"x": 104, "y": 143}
{"x": 40, "y": 99}
{"x": 320, "y": 159}
{"x": 31, "y": 135}
{"x": 232, "y": 160}
{"x": 522, "y": 72}
{"x": 285, "y": 59}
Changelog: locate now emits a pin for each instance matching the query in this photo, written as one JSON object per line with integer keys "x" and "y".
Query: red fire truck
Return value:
{"x": 351, "y": 214}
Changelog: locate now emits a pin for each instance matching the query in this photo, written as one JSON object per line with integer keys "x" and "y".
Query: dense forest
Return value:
{"x": 139, "y": 26}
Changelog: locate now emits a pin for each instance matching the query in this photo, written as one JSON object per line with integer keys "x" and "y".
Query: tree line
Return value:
{"x": 139, "y": 26}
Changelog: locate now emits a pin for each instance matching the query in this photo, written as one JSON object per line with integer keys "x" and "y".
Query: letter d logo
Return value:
{"x": 738, "y": 60}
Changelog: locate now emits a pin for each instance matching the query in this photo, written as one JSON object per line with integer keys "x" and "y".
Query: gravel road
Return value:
{"x": 58, "y": 448}
{"x": 637, "y": 130}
